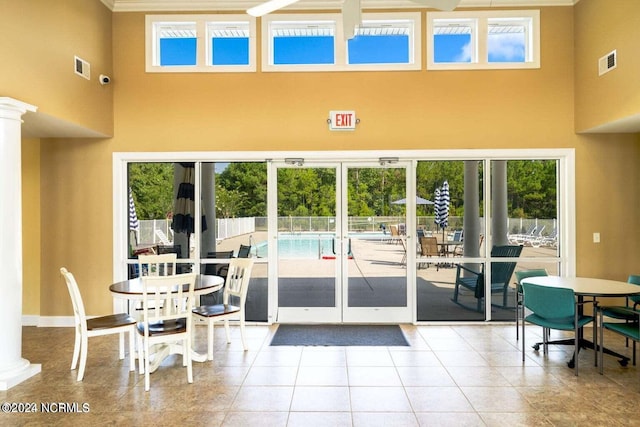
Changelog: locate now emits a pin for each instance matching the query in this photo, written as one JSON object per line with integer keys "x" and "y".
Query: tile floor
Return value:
{"x": 460, "y": 375}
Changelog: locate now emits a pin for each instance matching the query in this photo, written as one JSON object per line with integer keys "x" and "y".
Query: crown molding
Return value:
{"x": 235, "y": 5}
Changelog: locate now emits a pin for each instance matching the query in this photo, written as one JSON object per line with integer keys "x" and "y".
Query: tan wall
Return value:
{"x": 31, "y": 213}
{"x": 37, "y": 47}
{"x": 602, "y": 26}
{"x": 288, "y": 111}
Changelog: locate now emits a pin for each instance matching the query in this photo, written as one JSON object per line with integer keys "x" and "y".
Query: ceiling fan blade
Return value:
{"x": 447, "y": 5}
{"x": 351, "y": 18}
{"x": 269, "y": 6}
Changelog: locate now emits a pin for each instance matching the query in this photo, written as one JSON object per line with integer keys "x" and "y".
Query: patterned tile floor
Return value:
{"x": 460, "y": 375}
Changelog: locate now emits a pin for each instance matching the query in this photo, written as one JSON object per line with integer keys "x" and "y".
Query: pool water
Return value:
{"x": 306, "y": 246}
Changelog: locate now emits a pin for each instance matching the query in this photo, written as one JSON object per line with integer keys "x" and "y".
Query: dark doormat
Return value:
{"x": 339, "y": 335}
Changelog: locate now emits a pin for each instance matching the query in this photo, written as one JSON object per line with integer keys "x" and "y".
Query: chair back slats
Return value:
{"x": 157, "y": 265}
{"x": 548, "y": 302}
{"x": 501, "y": 272}
{"x": 165, "y": 298}
{"x": 238, "y": 277}
{"x": 428, "y": 246}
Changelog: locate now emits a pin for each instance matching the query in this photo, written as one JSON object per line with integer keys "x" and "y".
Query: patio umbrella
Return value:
{"x": 134, "y": 224}
{"x": 183, "y": 215}
{"x": 442, "y": 206}
{"x": 419, "y": 201}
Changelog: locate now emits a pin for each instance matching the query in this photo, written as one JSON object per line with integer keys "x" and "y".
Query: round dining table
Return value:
{"x": 587, "y": 287}
{"x": 132, "y": 290}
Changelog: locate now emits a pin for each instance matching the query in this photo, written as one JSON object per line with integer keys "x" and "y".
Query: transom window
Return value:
{"x": 317, "y": 43}
{"x": 483, "y": 40}
{"x": 200, "y": 43}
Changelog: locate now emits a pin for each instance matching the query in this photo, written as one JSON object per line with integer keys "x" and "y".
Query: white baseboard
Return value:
{"x": 54, "y": 321}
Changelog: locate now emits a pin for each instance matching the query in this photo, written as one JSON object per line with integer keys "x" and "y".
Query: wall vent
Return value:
{"x": 82, "y": 67}
{"x": 607, "y": 63}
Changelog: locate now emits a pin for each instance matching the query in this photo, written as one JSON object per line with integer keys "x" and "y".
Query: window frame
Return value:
{"x": 203, "y": 43}
{"x": 480, "y": 39}
{"x": 340, "y": 45}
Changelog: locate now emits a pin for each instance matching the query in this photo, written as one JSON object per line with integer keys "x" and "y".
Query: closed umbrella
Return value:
{"x": 183, "y": 212}
{"x": 134, "y": 224}
{"x": 442, "y": 206}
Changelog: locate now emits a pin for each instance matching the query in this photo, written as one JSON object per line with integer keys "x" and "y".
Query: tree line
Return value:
{"x": 241, "y": 189}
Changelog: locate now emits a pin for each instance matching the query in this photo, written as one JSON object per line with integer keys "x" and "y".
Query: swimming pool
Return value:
{"x": 306, "y": 245}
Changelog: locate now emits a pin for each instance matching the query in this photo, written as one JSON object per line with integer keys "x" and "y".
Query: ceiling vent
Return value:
{"x": 82, "y": 67}
{"x": 607, "y": 63}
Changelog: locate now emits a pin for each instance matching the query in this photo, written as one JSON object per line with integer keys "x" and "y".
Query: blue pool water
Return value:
{"x": 306, "y": 246}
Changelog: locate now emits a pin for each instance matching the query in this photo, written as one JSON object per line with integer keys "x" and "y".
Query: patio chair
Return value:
{"x": 236, "y": 286}
{"x": 554, "y": 308}
{"x": 166, "y": 318}
{"x": 395, "y": 234}
{"x": 95, "y": 326}
{"x": 501, "y": 273}
{"x": 428, "y": 249}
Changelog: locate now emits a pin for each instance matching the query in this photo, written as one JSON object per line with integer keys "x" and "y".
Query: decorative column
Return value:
{"x": 499, "y": 227}
{"x": 13, "y": 368}
{"x": 471, "y": 246}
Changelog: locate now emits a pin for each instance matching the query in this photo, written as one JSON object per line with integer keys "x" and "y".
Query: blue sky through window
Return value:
{"x": 177, "y": 51}
{"x": 230, "y": 50}
{"x": 506, "y": 47}
{"x": 387, "y": 49}
{"x": 452, "y": 47}
{"x": 307, "y": 50}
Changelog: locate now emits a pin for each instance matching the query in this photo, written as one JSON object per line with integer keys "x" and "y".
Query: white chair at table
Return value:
{"x": 166, "y": 318}
{"x": 236, "y": 285}
{"x": 95, "y": 326}
{"x": 157, "y": 265}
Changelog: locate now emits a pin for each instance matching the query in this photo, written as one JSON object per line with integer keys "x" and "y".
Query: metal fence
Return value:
{"x": 159, "y": 230}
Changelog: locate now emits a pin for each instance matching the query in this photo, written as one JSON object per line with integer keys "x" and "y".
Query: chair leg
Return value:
{"x": 210, "y": 339}
{"x": 132, "y": 350}
{"x": 84, "y": 348}
{"x": 121, "y": 345}
{"x": 226, "y": 328}
{"x": 141, "y": 355}
{"x": 244, "y": 342}
{"x": 76, "y": 350}
{"x": 601, "y": 348}
{"x": 186, "y": 356}
{"x": 147, "y": 368}
{"x": 523, "y": 340}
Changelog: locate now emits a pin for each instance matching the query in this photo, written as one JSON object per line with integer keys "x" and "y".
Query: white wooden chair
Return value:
{"x": 236, "y": 285}
{"x": 157, "y": 265}
{"x": 166, "y": 318}
{"x": 95, "y": 326}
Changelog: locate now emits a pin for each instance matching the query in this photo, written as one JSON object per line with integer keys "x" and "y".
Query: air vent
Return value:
{"x": 82, "y": 67}
{"x": 607, "y": 63}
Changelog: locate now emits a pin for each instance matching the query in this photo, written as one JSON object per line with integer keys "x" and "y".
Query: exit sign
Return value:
{"x": 342, "y": 120}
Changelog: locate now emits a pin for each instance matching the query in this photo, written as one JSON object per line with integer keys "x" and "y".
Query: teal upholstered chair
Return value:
{"x": 626, "y": 312}
{"x": 536, "y": 272}
{"x": 553, "y": 308}
{"x": 629, "y": 329}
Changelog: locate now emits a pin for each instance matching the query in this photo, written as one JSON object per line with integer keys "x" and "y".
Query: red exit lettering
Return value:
{"x": 343, "y": 120}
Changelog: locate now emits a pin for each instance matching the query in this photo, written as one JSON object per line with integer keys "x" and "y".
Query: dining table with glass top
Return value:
{"x": 587, "y": 287}
{"x": 132, "y": 290}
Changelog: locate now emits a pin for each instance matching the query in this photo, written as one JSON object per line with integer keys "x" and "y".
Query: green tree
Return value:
{"x": 152, "y": 188}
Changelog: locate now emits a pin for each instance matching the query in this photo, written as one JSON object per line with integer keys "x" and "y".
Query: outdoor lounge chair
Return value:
{"x": 501, "y": 273}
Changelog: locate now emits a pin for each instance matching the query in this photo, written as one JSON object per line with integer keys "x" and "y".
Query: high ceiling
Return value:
{"x": 211, "y": 5}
